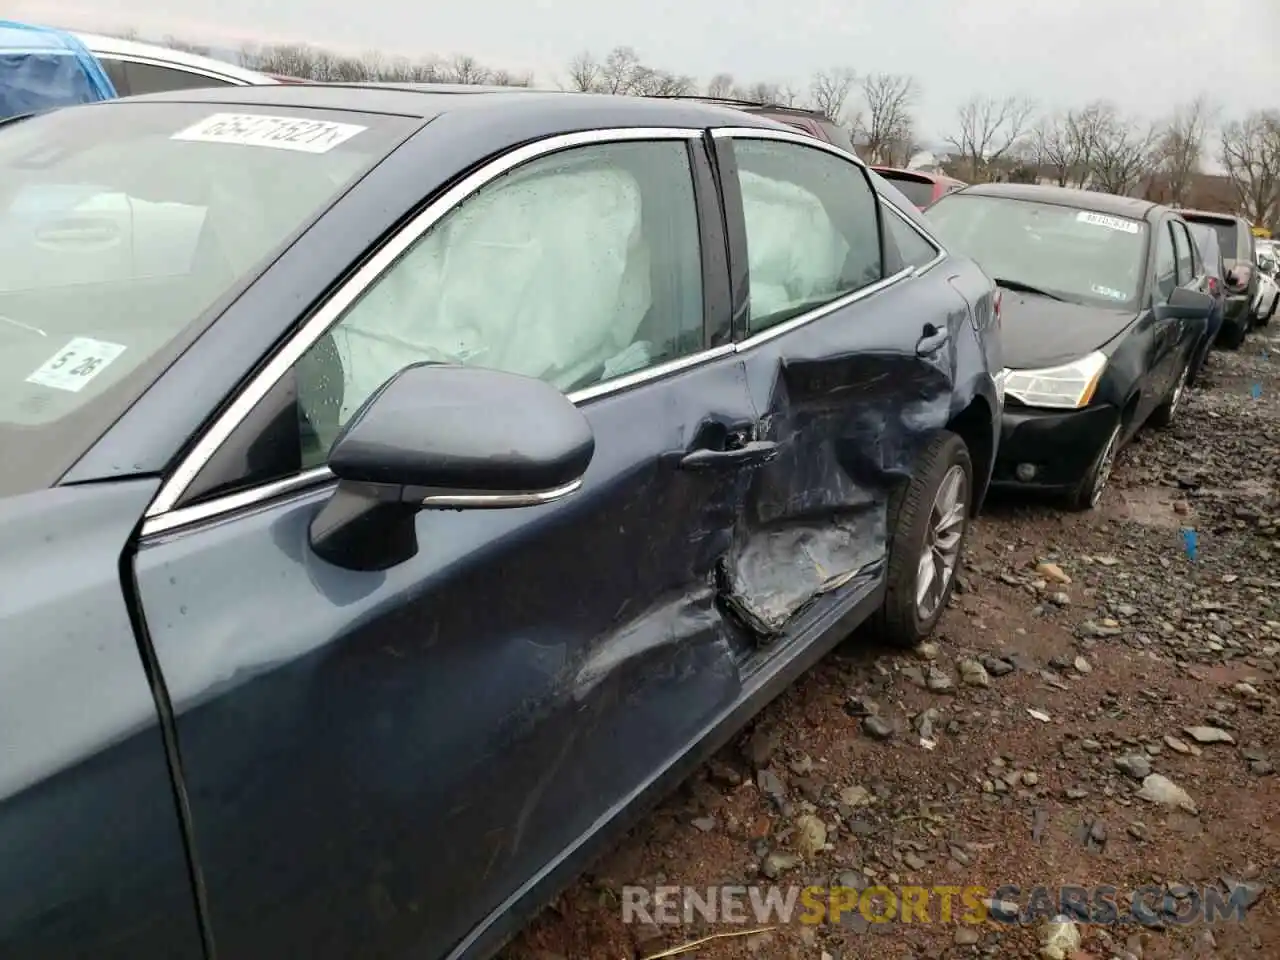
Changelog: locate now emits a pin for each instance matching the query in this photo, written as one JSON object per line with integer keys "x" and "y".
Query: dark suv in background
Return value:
{"x": 1240, "y": 271}
{"x": 813, "y": 122}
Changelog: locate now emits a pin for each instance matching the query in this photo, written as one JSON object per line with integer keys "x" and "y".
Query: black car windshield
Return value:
{"x": 1075, "y": 255}
{"x": 123, "y": 228}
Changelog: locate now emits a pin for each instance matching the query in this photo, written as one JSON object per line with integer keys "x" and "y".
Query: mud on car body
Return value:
{"x": 1104, "y": 318}
{"x": 414, "y": 485}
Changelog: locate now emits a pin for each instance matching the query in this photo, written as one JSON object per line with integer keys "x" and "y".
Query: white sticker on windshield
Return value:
{"x": 280, "y": 133}
{"x": 76, "y": 364}
{"x": 1111, "y": 223}
{"x": 1111, "y": 292}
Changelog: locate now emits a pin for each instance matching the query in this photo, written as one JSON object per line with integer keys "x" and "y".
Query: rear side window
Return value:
{"x": 914, "y": 249}
{"x": 1166, "y": 264}
{"x": 919, "y": 192}
{"x": 115, "y": 70}
{"x": 812, "y": 228}
{"x": 1182, "y": 248}
{"x": 149, "y": 78}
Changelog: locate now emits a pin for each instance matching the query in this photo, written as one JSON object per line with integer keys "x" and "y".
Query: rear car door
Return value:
{"x": 849, "y": 355}
{"x": 377, "y": 763}
{"x": 1185, "y": 332}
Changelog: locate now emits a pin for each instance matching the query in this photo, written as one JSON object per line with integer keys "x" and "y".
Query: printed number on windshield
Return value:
{"x": 76, "y": 364}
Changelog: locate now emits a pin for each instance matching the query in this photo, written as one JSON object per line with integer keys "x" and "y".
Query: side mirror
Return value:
{"x": 438, "y": 436}
{"x": 1185, "y": 303}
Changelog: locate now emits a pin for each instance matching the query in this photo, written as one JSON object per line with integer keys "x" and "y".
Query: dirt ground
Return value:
{"x": 1100, "y": 623}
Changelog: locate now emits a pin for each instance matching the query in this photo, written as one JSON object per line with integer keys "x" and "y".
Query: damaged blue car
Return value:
{"x": 402, "y": 488}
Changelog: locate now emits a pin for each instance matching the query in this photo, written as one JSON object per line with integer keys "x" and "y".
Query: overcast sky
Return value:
{"x": 1145, "y": 54}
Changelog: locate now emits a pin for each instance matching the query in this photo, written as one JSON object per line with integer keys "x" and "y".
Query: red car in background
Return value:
{"x": 919, "y": 187}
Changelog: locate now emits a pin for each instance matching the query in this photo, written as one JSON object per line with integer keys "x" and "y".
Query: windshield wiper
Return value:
{"x": 1026, "y": 288}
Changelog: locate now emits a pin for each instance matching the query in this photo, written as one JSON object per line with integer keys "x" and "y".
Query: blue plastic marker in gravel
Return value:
{"x": 1255, "y": 391}
{"x": 1190, "y": 543}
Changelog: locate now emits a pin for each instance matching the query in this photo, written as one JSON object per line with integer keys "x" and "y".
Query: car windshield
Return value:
{"x": 124, "y": 228}
{"x": 919, "y": 192}
{"x": 1076, "y": 255}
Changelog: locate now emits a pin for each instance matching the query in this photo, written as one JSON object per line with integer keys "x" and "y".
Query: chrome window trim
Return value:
{"x": 171, "y": 65}
{"x": 162, "y": 514}
{"x": 818, "y": 313}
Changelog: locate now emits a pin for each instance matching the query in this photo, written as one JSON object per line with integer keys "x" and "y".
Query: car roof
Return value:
{"x": 427, "y": 101}
{"x": 1107, "y": 203}
{"x": 114, "y": 46}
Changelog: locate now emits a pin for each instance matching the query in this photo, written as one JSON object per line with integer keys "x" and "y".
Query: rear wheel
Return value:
{"x": 1089, "y": 493}
{"x": 1233, "y": 334}
{"x": 930, "y": 522}
{"x": 1164, "y": 414}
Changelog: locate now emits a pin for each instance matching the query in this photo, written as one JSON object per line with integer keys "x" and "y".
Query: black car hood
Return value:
{"x": 1039, "y": 332}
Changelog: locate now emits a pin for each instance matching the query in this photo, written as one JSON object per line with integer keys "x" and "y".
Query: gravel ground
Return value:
{"x": 1138, "y": 663}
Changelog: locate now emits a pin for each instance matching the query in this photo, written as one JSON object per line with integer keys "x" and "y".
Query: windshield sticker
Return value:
{"x": 76, "y": 364}
{"x": 1111, "y": 223}
{"x": 280, "y": 133}
{"x": 1110, "y": 292}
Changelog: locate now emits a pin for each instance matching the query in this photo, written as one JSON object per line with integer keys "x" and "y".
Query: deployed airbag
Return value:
{"x": 545, "y": 275}
{"x": 795, "y": 253}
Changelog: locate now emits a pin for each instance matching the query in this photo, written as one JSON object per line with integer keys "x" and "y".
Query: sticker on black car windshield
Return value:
{"x": 1110, "y": 292}
{"x": 1111, "y": 223}
{"x": 82, "y": 359}
{"x": 279, "y": 133}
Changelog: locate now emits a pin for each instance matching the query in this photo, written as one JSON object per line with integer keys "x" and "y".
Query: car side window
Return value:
{"x": 150, "y": 78}
{"x": 1166, "y": 264}
{"x": 576, "y": 268}
{"x": 914, "y": 249}
{"x": 115, "y": 72}
{"x": 1182, "y": 249}
{"x": 813, "y": 234}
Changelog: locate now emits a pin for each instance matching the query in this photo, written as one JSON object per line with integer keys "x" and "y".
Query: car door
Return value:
{"x": 377, "y": 762}
{"x": 849, "y": 357}
{"x": 1155, "y": 380}
{"x": 1186, "y": 332}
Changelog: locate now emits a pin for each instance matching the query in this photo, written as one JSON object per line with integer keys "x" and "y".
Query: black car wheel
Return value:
{"x": 1164, "y": 414}
{"x": 1233, "y": 334}
{"x": 930, "y": 522}
{"x": 1089, "y": 493}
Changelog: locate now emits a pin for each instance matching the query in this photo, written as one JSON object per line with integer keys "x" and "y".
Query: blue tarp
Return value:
{"x": 42, "y": 68}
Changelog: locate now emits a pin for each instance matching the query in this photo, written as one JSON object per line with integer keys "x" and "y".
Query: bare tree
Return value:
{"x": 1251, "y": 154}
{"x": 887, "y": 131}
{"x": 1123, "y": 153}
{"x": 989, "y": 129}
{"x": 831, "y": 89}
{"x": 464, "y": 68}
{"x": 1054, "y": 149}
{"x": 721, "y": 85}
{"x": 1181, "y": 147}
{"x": 620, "y": 71}
{"x": 761, "y": 92}
{"x": 584, "y": 73}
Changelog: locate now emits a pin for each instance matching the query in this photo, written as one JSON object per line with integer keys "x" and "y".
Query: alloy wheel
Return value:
{"x": 943, "y": 535}
{"x": 1105, "y": 463}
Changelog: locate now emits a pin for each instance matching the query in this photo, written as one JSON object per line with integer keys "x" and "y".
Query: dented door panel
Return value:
{"x": 411, "y": 746}
{"x": 853, "y": 405}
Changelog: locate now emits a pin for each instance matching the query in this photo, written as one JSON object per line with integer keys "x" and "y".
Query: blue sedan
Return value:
{"x": 402, "y": 488}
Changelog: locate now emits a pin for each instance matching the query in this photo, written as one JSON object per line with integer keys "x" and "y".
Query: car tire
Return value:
{"x": 1163, "y": 416}
{"x": 1265, "y": 321}
{"x": 925, "y": 525}
{"x": 1233, "y": 335}
{"x": 1087, "y": 495}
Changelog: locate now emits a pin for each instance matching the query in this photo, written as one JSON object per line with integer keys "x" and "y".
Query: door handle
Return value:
{"x": 749, "y": 454}
{"x": 932, "y": 340}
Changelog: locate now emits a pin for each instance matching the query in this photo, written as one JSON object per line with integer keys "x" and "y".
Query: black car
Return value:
{"x": 1103, "y": 314}
{"x": 402, "y": 489}
{"x": 1239, "y": 260}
